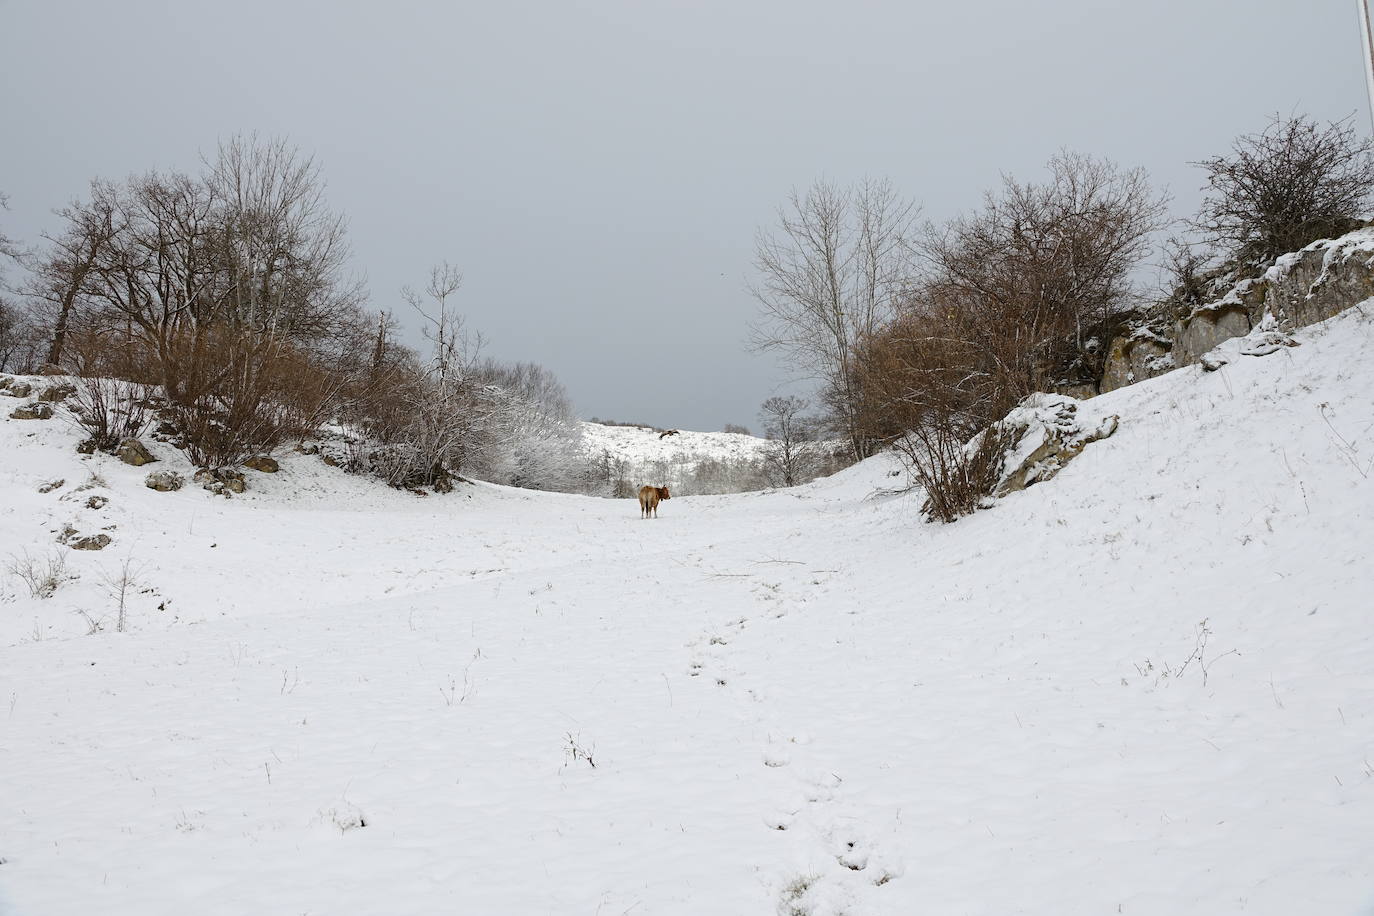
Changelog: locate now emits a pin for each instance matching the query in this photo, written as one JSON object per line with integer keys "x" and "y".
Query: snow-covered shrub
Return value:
{"x": 421, "y": 433}
{"x": 111, "y": 411}
{"x": 529, "y": 435}
{"x": 42, "y": 575}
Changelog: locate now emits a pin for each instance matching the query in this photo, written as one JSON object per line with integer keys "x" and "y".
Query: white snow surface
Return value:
{"x": 337, "y": 698}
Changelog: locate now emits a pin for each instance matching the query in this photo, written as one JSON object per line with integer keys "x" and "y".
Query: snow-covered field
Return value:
{"x": 1144, "y": 687}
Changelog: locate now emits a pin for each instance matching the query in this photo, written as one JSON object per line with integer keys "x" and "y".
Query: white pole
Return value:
{"x": 1367, "y": 42}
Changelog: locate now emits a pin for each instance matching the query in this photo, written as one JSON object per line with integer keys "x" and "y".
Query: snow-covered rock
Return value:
{"x": 1299, "y": 289}
{"x": 1047, "y": 434}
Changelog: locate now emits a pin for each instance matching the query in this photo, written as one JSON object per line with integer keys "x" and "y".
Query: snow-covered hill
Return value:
{"x": 659, "y": 459}
{"x": 1144, "y": 687}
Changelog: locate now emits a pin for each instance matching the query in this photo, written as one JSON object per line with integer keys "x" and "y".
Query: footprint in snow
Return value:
{"x": 780, "y": 818}
{"x": 777, "y": 755}
{"x": 857, "y": 852}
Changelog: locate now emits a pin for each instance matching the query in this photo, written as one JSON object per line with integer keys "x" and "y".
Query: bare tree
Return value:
{"x": 17, "y": 341}
{"x": 451, "y": 347}
{"x": 9, "y": 248}
{"x": 831, "y": 273}
{"x": 1030, "y": 283}
{"x": 1292, "y": 183}
{"x": 428, "y": 423}
{"x": 59, "y": 278}
{"x": 790, "y": 457}
{"x": 282, "y": 251}
{"x": 228, "y": 289}
{"x": 383, "y": 343}
{"x": 171, "y": 261}
{"x": 17, "y": 338}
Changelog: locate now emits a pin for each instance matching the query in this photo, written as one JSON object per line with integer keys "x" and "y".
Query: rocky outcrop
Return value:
{"x": 32, "y": 412}
{"x": 221, "y": 481}
{"x": 1301, "y": 288}
{"x": 1206, "y": 328}
{"x": 1134, "y": 357}
{"x": 263, "y": 463}
{"x": 131, "y": 451}
{"x": 18, "y": 389}
{"x": 164, "y": 481}
{"x": 1320, "y": 281}
{"x": 1047, "y": 435}
{"x": 54, "y": 394}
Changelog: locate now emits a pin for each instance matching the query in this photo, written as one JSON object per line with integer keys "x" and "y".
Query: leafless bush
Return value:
{"x": 1292, "y": 183}
{"x": 111, "y": 410}
{"x": 928, "y": 367}
{"x": 423, "y": 421}
{"x": 245, "y": 393}
{"x": 1017, "y": 297}
{"x": 1191, "y": 276}
{"x": 957, "y": 476}
{"x": 43, "y": 575}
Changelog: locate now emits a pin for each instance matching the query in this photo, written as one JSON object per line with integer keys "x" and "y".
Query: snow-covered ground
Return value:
{"x": 1144, "y": 687}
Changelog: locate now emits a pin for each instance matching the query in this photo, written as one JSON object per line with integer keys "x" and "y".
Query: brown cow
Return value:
{"x": 648, "y": 500}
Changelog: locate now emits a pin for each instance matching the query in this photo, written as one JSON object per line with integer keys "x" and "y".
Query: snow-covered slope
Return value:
{"x": 1144, "y": 687}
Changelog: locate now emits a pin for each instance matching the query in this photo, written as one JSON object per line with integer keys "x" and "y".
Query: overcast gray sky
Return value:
{"x": 598, "y": 169}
